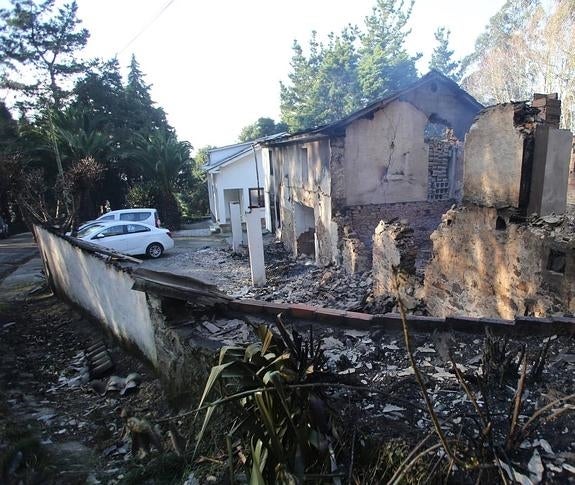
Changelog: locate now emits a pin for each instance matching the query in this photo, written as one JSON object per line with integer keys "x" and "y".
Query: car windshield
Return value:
{"x": 89, "y": 230}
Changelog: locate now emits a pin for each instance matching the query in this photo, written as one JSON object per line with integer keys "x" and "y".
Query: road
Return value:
{"x": 15, "y": 251}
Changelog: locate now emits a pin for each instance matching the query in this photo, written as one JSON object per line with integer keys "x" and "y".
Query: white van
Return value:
{"x": 145, "y": 216}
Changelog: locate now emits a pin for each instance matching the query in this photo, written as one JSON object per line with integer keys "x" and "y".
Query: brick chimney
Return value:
{"x": 550, "y": 108}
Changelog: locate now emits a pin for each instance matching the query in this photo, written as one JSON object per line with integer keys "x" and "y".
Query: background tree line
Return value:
{"x": 83, "y": 135}
{"x": 79, "y": 134}
{"x": 527, "y": 47}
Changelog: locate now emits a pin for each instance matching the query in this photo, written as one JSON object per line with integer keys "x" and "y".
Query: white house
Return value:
{"x": 232, "y": 171}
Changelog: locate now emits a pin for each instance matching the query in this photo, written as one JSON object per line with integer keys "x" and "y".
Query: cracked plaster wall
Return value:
{"x": 493, "y": 158}
{"x": 103, "y": 290}
{"x": 386, "y": 158}
{"x": 310, "y": 188}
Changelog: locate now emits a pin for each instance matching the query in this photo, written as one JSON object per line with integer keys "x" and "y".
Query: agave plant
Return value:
{"x": 283, "y": 418}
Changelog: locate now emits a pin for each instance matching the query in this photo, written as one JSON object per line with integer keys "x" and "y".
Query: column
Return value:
{"x": 256, "y": 246}
{"x": 236, "y": 220}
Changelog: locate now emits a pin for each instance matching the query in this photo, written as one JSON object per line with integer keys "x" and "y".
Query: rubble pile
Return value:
{"x": 301, "y": 281}
{"x": 379, "y": 360}
{"x": 559, "y": 227}
{"x": 289, "y": 279}
{"x": 51, "y": 398}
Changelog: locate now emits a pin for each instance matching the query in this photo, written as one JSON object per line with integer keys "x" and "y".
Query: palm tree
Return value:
{"x": 163, "y": 160}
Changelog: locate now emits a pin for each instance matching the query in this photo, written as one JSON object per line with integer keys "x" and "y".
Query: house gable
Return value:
{"x": 386, "y": 158}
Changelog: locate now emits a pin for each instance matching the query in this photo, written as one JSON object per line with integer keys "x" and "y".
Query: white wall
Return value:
{"x": 240, "y": 174}
{"x": 101, "y": 289}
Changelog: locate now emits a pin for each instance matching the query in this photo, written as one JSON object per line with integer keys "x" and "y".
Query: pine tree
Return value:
{"x": 145, "y": 116}
{"x": 337, "y": 90}
{"x": 101, "y": 93}
{"x": 43, "y": 42}
{"x": 340, "y": 77}
{"x": 296, "y": 97}
{"x": 441, "y": 58}
{"x": 385, "y": 66}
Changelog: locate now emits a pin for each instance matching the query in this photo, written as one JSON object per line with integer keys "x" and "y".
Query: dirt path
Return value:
{"x": 54, "y": 428}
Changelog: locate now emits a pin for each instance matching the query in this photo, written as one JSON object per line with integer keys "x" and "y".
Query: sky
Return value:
{"x": 215, "y": 65}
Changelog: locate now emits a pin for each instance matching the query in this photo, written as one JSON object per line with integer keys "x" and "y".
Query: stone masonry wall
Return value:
{"x": 355, "y": 254}
{"x": 394, "y": 256}
{"x": 337, "y": 171}
{"x": 486, "y": 265}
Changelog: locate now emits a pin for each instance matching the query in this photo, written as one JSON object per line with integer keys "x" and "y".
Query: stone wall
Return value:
{"x": 493, "y": 158}
{"x": 394, "y": 256}
{"x": 356, "y": 255}
{"x": 486, "y": 265}
{"x": 514, "y": 158}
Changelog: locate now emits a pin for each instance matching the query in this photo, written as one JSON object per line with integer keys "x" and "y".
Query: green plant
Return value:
{"x": 282, "y": 417}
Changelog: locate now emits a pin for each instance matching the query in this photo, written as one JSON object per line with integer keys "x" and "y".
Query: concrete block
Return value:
{"x": 236, "y": 221}
{"x": 256, "y": 246}
{"x": 549, "y": 181}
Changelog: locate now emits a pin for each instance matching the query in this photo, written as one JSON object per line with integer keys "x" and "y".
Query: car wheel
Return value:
{"x": 155, "y": 250}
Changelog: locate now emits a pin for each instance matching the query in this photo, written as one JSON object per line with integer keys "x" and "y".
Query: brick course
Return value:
{"x": 440, "y": 153}
{"x": 422, "y": 217}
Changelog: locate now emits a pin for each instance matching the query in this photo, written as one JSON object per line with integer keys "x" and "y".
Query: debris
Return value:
{"x": 514, "y": 475}
{"x": 544, "y": 444}
{"x": 211, "y": 327}
{"x": 536, "y": 468}
{"x": 177, "y": 441}
{"x": 390, "y": 408}
{"x": 142, "y": 434}
{"x": 116, "y": 383}
{"x": 99, "y": 360}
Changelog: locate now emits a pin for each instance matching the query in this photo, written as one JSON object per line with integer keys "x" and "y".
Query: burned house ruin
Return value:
{"x": 509, "y": 249}
{"x": 400, "y": 157}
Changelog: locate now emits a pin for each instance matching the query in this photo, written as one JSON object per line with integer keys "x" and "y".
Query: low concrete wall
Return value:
{"x": 102, "y": 289}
